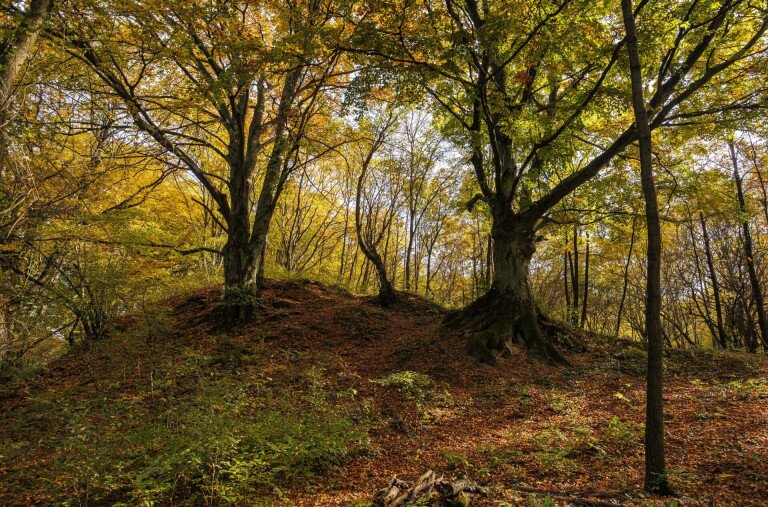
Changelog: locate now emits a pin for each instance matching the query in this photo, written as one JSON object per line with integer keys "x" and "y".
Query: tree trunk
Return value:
{"x": 575, "y": 277}
{"x": 387, "y": 294}
{"x": 583, "y": 321}
{"x": 240, "y": 268}
{"x": 757, "y": 292}
{"x": 507, "y": 313}
{"x": 247, "y": 242}
{"x": 408, "y": 250}
{"x": 655, "y": 469}
{"x": 565, "y": 286}
{"x": 625, "y": 281}
{"x": 721, "y": 336}
{"x": 489, "y": 260}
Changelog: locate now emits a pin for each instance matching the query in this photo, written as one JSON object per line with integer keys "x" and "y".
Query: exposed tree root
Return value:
{"x": 238, "y": 306}
{"x": 387, "y": 297}
{"x": 494, "y": 324}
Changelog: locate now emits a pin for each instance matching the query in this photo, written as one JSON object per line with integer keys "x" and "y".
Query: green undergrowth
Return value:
{"x": 215, "y": 425}
{"x": 631, "y": 358}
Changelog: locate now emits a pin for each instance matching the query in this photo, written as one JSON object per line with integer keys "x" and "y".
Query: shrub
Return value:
{"x": 214, "y": 445}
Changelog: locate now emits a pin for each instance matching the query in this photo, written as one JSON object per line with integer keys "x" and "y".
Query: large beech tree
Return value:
{"x": 231, "y": 90}
{"x": 526, "y": 86}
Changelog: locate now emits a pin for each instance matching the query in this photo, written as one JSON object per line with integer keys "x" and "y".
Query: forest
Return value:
{"x": 384, "y": 253}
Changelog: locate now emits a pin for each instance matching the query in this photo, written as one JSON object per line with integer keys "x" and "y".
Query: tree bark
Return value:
{"x": 655, "y": 469}
{"x": 246, "y": 244}
{"x": 757, "y": 292}
{"x": 409, "y": 247}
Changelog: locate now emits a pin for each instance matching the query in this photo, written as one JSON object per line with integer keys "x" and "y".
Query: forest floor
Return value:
{"x": 327, "y": 396}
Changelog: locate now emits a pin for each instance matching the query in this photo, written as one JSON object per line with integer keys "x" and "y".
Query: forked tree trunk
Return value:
{"x": 247, "y": 241}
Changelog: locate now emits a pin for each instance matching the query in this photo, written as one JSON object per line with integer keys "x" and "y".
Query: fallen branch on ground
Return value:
{"x": 430, "y": 489}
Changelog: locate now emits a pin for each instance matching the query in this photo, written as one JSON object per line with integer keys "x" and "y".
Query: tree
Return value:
{"x": 518, "y": 84}
{"x": 204, "y": 83}
{"x": 369, "y": 236}
{"x": 17, "y": 195}
{"x": 722, "y": 338}
{"x": 655, "y": 470}
{"x": 421, "y": 153}
{"x": 17, "y": 46}
{"x": 749, "y": 255}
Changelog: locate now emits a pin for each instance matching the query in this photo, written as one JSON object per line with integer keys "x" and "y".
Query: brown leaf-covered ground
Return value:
{"x": 520, "y": 427}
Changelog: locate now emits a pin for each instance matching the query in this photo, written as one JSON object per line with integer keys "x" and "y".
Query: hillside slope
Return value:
{"x": 327, "y": 396}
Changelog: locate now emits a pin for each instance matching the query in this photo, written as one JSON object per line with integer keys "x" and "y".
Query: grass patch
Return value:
{"x": 198, "y": 433}
{"x": 558, "y": 449}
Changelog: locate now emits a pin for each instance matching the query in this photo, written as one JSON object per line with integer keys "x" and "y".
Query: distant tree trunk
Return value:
{"x": 409, "y": 249}
{"x": 387, "y": 294}
{"x": 395, "y": 259}
{"x": 721, "y": 337}
{"x": 362, "y": 280}
{"x": 352, "y": 267}
{"x": 344, "y": 243}
{"x": 757, "y": 292}
{"x": 571, "y": 309}
{"x": 385, "y": 254}
{"x": 655, "y": 469}
{"x": 567, "y": 290}
{"x": 583, "y": 321}
{"x": 428, "y": 280}
{"x": 489, "y": 261}
{"x": 575, "y": 277}
{"x": 625, "y": 281}
{"x": 416, "y": 266}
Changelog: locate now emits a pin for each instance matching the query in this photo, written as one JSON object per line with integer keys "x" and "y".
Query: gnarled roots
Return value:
{"x": 493, "y": 324}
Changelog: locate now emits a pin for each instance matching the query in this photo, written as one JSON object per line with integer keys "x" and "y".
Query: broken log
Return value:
{"x": 428, "y": 490}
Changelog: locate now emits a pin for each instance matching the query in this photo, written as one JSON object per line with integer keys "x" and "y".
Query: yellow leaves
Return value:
{"x": 621, "y": 397}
